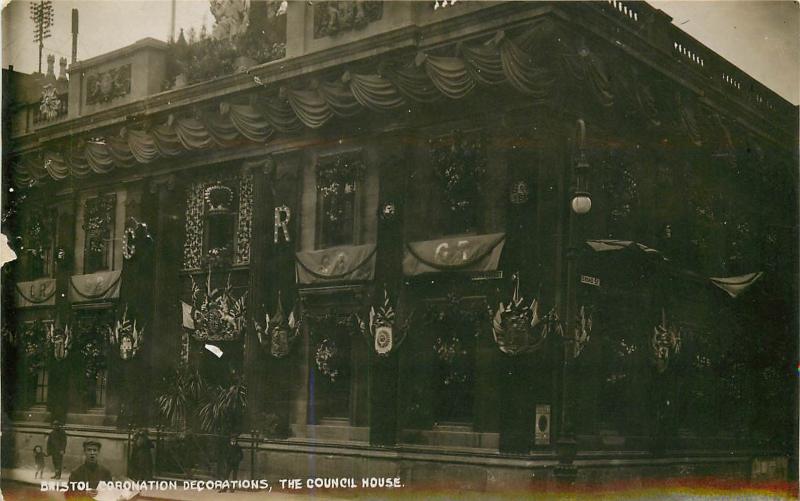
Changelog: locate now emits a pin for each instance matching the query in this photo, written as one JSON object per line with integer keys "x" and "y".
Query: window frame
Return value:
{"x": 322, "y": 238}
{"x": 110, "y": 240}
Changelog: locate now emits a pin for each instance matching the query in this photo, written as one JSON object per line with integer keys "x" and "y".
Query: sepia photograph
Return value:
{"x": 399, "y": 250}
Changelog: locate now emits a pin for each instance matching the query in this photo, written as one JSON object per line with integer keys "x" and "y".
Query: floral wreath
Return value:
{"x": 129, "y": 236}
{"x": 92, "y": 351}
{"x": 450, "y": 351}
{"x": 327, "y": 357}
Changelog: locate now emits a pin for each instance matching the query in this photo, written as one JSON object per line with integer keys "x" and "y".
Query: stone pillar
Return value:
{"x": 163, "y": 348}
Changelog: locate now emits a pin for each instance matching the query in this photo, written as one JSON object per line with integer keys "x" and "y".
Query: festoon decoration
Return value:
{"x": 390, "y": 85}
{"x": 382, "y": 326}
{"x": 126, "y": 336}
{"x": 215, "y": 314}
{"x": 517, "y": 327}
{"x": 665, "y": 343}
{"x": 278, "y": 331}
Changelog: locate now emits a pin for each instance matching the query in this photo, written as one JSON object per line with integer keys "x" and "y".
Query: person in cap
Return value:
{"x": 56, "y": 445}
{"x": 90, "y": 471}
{"x": 233, "y": 456}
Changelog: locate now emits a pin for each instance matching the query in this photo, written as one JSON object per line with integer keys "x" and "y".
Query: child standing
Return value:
{"x": 38, "y": 456}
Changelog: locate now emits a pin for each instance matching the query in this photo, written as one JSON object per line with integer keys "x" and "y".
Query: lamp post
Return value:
{"x": 580, "y": 205}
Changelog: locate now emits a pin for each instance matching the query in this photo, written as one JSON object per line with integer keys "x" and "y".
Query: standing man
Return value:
{"x": 233, "y": 456}
{"x": 90, "y": 471}
{"x": 56, "y": 445}
{"x": 142, "y": 457}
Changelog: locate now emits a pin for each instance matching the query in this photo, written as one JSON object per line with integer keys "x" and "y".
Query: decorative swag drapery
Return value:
{"x": 337, "y": 264}
{"x": 40, "y": 292}
{"x": 95, "y": 286}
{"x": 734, "y": 286}
{"x": 535, "y": 63}
{"x": 464, "y": 253}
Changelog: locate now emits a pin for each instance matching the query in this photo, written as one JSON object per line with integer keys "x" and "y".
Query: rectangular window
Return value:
{"x": 339, "y": 181}
{"x": 41, "y": 386}
{"x": 458, "y": 163}
{"x": 38, "y": 230}
{"x": 330, "y": 379}
{"x": 99, "y": 214}
{"x": 454, "y": 372}
{"x": 99, "y": 393}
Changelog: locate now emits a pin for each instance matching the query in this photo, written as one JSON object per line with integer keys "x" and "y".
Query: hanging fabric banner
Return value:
{"x": 100, "y": 285}
{"x": 338, "y": 264}
{"x": 465, "y": 253}
{"x": 40, "y": 292}
{"x": 736, "y": 285}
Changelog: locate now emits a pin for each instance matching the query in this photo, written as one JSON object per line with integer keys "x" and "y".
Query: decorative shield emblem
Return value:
{"x": 665, "y": 343}
{"x": 583, "y": 330}
{"x": 60, "y": 341}
{"x": 514, "y": 324}
{"x": 383, "y": 339}
{"x": 126, "y": 347}
{"x": 126, "y": 335}
{"x": 519, "y": 192}
{"x": 278, "y": 331}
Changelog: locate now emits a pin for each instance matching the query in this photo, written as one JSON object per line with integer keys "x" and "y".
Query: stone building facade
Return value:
{"x": 480, "y": 243}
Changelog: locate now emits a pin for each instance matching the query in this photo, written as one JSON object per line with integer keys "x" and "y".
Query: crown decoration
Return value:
{"x": 60, "y": 340}
{"x": 219, "y": 198}
{"x": 217, "y": 315}
{"x": 665, "y": 342}
{"x": 381, "y": 326}
{"x": 515, "y": 324}
{"x": 126, "y": 336}
{"x": 278, "y": 332}
{"x": 583, "y": 330}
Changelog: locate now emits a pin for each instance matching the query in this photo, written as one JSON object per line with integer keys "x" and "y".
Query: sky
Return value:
{"x": 760, "y": 37}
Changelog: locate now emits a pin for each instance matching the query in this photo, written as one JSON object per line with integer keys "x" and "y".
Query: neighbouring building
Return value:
{"x": 483, "y": 244}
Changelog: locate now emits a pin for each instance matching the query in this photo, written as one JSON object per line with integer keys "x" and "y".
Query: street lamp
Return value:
{"x": 581, "y": 204}
{"x": 581, "y": 198}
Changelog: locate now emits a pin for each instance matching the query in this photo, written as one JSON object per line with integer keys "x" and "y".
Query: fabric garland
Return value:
{"x": 537, "y": 62}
